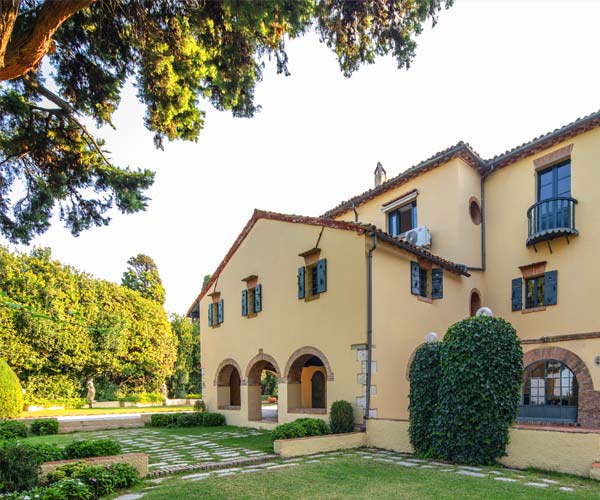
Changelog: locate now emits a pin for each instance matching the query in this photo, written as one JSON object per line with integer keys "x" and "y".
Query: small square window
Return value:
{"x": 534, "y": 292}
{"x": 402, "y": 219}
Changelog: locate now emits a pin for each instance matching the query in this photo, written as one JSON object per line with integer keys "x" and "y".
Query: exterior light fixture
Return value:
{"x": 432, "y": 337}
{"x": 484, "y": 311}
{"x": 597, "y": 360}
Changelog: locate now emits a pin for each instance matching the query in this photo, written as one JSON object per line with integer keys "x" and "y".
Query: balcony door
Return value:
{"x": 554, "y": 182}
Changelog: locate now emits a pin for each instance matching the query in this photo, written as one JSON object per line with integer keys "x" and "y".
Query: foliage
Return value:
{"x": 268, "y": 383}
{"x": 92, "y": 448}
{"x": 44, "y": 426}
{"x": 425, "y": 380}
{"x": 186, "y": 374}
{"x": 11, "y": 394}
{"x": 142, "y": 276}
{"x": 200, "y": 406}
{"x": 302, "y": 427}
{"x": 189, "y": 419}
{"x": 341, "y": 417}
{"x": 20, "y": 465}
{"x": 69, "y": 489}
{"x": 59, "y": 326}
{"x": 481, "y": 375}
{"x": 10, "y": 429}
{"x": 212, "y": 419}
{"x": 183, "y": 56}
{"x": 162, "y": 420}
{"x": 143, "y": 397}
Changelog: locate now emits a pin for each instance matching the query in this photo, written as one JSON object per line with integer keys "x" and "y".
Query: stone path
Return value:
{"x": 176, "y": 452}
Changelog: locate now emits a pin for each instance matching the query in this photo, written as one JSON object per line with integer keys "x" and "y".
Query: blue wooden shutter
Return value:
{"x": 437, "y": 283}
{"x": 210, "y": 314}
{"x": 415, "y": 279}
{"x": 322, "y": 276}
{"x": 517, "y": 294}
{"x": 258, "y": 298}
{"x": 244, "y": 302}
{"x": 551, "y": 288}
{"x": 220, "y": 311}
{"x": 301, "y": 281}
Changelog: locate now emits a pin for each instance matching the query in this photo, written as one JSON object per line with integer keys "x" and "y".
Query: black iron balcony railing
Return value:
{"x": 551, "y": 218}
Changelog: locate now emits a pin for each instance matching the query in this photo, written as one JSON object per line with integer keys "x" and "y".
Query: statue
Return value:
{"x": 163, "y": 391}
{"x": 91, "y": 391}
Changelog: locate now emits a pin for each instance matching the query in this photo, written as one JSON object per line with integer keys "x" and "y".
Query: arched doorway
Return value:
{"x": 257, "y": 368}
{"x": 228, "y": 382}
{"x": 475, "y": 302}
{"x": 550, "y": 393}
{"x": 307, "y": 374}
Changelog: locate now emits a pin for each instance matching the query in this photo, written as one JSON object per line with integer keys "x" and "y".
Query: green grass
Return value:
{"x": 102, "y": 411}
{"x": 354, "y": 478}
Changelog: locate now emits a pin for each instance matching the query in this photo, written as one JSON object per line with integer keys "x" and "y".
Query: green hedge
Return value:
{"x": 92, "y": 448}
{"x": 44, "y": 427}
{"x": 10, "y": 429}
{"x": 303, "y": 427}
{"x": 20, "y": 464}
{"x": 11, "y": 393}
{"x": 341, "y": 417}
{"x": 191, "y": 419}
{"x": 144, "y": 397}
{"x": 425, "y": 379}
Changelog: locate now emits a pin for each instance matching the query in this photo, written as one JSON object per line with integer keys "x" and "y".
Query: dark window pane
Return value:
{"x": 564, "y": 171}
{"x": 423, "y": 281}
{"x": 564, "y": 187}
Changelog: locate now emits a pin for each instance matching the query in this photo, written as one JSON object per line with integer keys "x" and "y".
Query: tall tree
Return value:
{"x": 179, "y": 53}
{"x": 142, "y": 276}
{"x": 186, "y": 377}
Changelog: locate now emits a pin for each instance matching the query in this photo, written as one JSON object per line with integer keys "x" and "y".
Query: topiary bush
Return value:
{"x": 92, "y": 448}
{"x": 425, "y": 378}
{"x": 481, "y": 365}
{"x": 10, "y": 429}
{"x": 11, "y": 393}
{"x": 212, "y": 419}
{"x": 341, "y": 417}
{"x": 44, "y": 427}
{"x": 189, "y": 419}
{"x": 162, "y": 419}
{"x": 303, "y": 427}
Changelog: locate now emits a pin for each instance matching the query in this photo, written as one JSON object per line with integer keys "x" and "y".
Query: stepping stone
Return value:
{"x": 565, "y": 488}
{"x": 247, "y": 471}
{"x": 292, "y": 460}
{"x": 406, "y": 464}
{"x": 550, "y": 481}
{"x": 384, "y": 460}
{"x": 221, "y": 474}
{"x": 466, "y": 467}
{"x": 312, "y": 462}
{"x": 470, "y": 473}
{"x": 130, "y": 496}
{"x": 281, "y": 466}
{"x": 496, "y": 472}
{"x": 418, "y": 461}
{"x": 427, "y": 467}
{"x": 505, "y": 479}
{"x": 537, "y": 485}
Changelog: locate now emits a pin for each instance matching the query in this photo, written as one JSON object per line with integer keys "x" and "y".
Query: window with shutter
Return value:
{"x": 301, "y": 283}
{"x": 415, "y": 278}
{"x": 258, "y": 299}
{"x": 220, "y": 311}
{"x": 551, "y": 288}
{"x": 244, "y": 302}
{"x": 517, "y": 294}
{"x": 322, "y": 276}
{"x": 437, "y": 283}
{"x": 210, "y": 314}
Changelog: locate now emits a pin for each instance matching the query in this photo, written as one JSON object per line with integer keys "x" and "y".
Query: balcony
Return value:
{"x": 551, "y": 218}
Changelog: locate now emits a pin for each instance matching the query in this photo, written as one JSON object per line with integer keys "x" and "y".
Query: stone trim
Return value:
{"x": 588, "y": 410}
{"x": 554, "y": 157}
{"x": 306, "y": 351}
{"x": 313, "y": 411}
{"x": 562, "y": 338}
{"x": 223, "y": 364}
{"x": 260, "y": 357}
{"x": 533, "y": 270}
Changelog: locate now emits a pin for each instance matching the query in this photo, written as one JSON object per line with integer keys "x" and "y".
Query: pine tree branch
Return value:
{"x": 25, "y": 51}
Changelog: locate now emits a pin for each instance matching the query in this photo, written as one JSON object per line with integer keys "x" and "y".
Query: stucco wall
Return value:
{"x": 388, "y": 435}
{"x": 319, "y": 444}
{"x": 331, "y": 324}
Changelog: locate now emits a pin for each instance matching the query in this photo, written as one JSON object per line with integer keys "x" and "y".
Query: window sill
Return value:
{"x": 424, "y": 299}
{"x": 533, "y": 309}
{"x": 253, "y": 315}
{"x": 313, "y": 411}
{"x": 229, "y": 407}
{"x": 312, "y": 297}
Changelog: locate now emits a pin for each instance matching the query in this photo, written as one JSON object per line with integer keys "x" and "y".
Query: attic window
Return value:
{"x": 401, "y": 213}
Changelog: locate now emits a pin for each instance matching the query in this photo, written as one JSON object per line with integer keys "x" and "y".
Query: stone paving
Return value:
{"x": 178, "y": 451}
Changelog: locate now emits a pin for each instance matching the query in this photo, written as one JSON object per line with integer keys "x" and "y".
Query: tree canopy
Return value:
{"x": 142, "y": 276}
{"x": 64, "y": 63}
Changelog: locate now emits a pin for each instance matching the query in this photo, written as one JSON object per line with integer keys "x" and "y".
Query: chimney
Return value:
{"x": 380, "y": 174}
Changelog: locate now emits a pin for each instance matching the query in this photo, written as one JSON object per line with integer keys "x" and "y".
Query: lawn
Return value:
{"x": 350, "y": 476}
{"x": 102, "y": 411}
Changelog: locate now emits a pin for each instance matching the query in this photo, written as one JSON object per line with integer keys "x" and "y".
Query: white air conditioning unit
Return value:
{"x": 419, "y": 236}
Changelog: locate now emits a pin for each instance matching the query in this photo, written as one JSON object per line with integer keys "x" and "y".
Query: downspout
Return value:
{"x": 483, "y": 253}
{"x": 355, "y": 212}
{"x": 369, "y": 322}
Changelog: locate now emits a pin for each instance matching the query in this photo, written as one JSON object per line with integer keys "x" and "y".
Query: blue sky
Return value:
{"x": 494, "y": 74}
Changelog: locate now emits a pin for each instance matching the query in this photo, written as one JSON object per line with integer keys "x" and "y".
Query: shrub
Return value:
{"x": 92, "y": 448}
{"x": 11, "y": 393}
{"x": 302, "y": 427}
{"x": 193, "y": 396}
{"x": 425, "y": 379}
{"x": 50, "y": 390}
{"x": 341, "y": 417}
{"x": 313, "y": 426}
{"x": 10, "y": 429}
{"x": 481, "y": 372}
{"x": 44, "y": 427}
{"x": 143, "y": 397}
{"x": 189, "y": 419}
{"x": 162, "y": 419}
{"x": 199, "y": 406}
{"x": 212, "y": 419}
{"x": 20, "y": 464}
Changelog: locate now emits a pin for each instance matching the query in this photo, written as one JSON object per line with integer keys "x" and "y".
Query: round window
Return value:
{"x": 475, "y": 211}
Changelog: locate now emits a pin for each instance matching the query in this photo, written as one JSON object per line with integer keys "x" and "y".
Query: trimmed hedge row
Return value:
{"x": 194, "y": 419}
{"x": 20, "y": 462}
{"x": 303, "y": 427}
{"x": 10, "y": 429}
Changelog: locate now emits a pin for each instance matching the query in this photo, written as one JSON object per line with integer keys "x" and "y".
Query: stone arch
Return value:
{"x": 259, "y": 363}
{"x": 588, "y": 411}
{"x": 222, "y": 378}
{"x": 292, "y": 373}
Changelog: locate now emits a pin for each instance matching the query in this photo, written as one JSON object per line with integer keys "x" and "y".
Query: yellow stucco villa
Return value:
{"x": 336, "y": 305}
